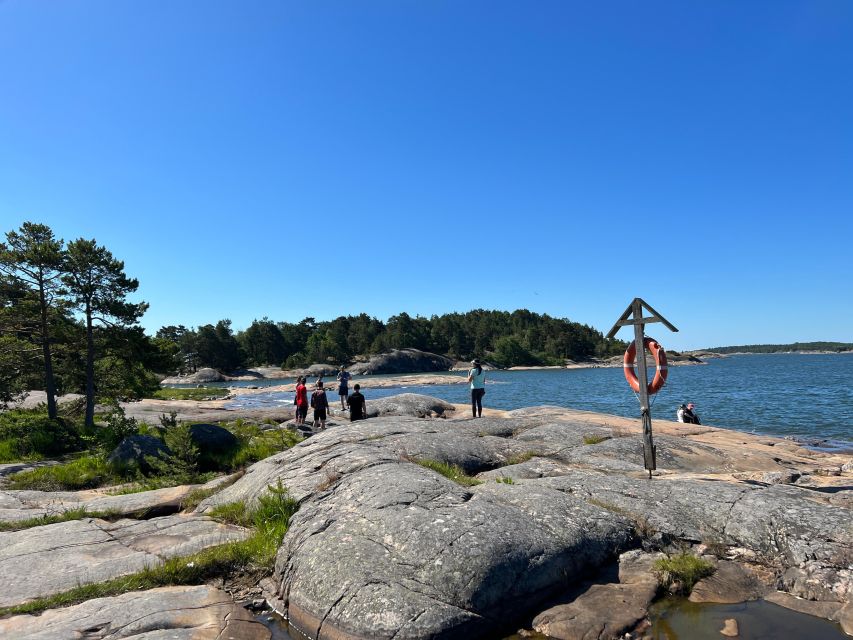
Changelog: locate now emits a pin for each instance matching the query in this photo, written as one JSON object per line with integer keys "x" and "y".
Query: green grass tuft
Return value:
{"x": 190, "y": 393}
{"x": 518, "y": 458}
{"x": 86, "y": 472}
{"x": 504, "y": 480}
{"x": 682, "y": 571}
{"x": 451, "y": 471}
{"x": 594, "y": 439}
{"x": 72, "y": 514}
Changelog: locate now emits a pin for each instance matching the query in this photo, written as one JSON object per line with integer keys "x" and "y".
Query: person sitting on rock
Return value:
{"x": 679, "y": 413}
{"x": 690, "y": 416}
{"x": 357, "y": 405}
{"x": 320, "y": 404}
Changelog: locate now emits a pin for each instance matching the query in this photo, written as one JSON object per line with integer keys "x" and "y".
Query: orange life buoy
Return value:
{"x": 658, "y": 354}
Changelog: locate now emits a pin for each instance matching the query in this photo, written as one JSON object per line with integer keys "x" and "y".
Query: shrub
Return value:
{"x": 679, "y": 573}
{"x": 115, "y": 428}
{"x": 30, "y": 434}
{"x": 86, "y": 472}
{"x": 180, "y": 465}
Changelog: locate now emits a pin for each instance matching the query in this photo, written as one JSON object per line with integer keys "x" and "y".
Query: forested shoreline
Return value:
{"x": 67, "y": 325}
{"x": 785, "y": 348}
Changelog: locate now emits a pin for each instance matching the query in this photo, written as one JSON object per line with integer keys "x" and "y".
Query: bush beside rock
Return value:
{"x": 132, "y": 451}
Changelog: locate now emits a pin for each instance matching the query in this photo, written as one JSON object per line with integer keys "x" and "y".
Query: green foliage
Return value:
{"x": 784, "y": 348}
{"x": 517, "y": 338}
{"x": 681, "y": 572}
{"x": 451, "y": 471}
{"x": 254, "y": 444}
{"x": 31, "y": 267}
{"x": 39, "y": 521}
{"x": 270, "y": 519}
{"x": 204, "y": 393}
{"x": 86, "y": 472}
{"x": 504, "y": 480}
{"x": 197, "y": 496}
{"x": 120, "y": 379}
{"x": 509, "y": 352}
{"x": 167, "y": 422}
{"x": 217, "y": 347}
{"x": 594, "y": 439}
{"x": 255, "y": 555}
{"x": 28, "y": 434}
{"x": 115, "y": 427}
{"x": 181, "y": 464}
{"x": 518, "y": 458}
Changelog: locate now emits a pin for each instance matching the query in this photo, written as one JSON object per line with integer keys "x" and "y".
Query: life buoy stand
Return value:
{"x": 658, "y": 354}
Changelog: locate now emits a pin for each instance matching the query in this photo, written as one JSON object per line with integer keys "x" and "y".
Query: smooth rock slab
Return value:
{"x": 607, "y": 610}
{"x": 19, "y": 505}
{"x": 46, "y": 560}
{"x": 382, "y": 547}
{"x": 409, "y": 404}
{"x": 399, "y": 551}
{"x": 176, "y": 613}
{"x": 731, "y": 583}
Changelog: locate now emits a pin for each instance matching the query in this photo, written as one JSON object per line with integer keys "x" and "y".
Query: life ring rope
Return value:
{"x": 658, "y": 353}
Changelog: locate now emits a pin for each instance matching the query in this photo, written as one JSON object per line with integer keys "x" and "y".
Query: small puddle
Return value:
{"x": 279, "y": 627}
{"x": 680, "y": 619}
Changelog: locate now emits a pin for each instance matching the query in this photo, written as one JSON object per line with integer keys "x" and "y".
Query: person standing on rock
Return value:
{"x": 477, "y": 378}
{"x": 343, "y": 386}
{"x": 357, "y": 405}
{"x": 321, "y": 406}
{"x": 301, "y": 401}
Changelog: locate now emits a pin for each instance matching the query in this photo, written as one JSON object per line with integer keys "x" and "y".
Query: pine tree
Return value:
{"x": 98, "y": 287}
{"x": 32, "y": 258}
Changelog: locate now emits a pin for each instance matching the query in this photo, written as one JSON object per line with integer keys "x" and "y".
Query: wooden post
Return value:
{"x": 649, "y": 458}
{"x": 639, "y": 324}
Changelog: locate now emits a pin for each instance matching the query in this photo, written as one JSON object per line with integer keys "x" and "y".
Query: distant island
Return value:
{"x": 831, "y": 347}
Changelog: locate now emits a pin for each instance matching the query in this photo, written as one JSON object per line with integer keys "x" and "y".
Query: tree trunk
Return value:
{"x": 90, "y": 369}
{"x": 49, "y": 386}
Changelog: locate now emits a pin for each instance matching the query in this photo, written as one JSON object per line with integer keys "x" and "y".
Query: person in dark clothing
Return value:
{"x": 320, "y": 404}
{"x": 690, "y": 416}
{"x": 357, "y": 405}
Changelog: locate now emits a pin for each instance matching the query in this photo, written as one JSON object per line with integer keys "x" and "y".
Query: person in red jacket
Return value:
{"x": 301, "y": 401}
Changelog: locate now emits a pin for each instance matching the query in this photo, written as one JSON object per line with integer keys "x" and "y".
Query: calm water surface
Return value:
{"x": 802, "y": 395}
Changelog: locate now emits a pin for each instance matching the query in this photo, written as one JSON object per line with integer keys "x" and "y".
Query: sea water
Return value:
{"x": 805, "y": 396}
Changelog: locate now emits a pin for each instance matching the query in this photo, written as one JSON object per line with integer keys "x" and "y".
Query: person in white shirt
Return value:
{"x": 477, "y": 378}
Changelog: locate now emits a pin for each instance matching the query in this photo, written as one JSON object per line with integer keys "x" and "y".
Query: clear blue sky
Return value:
{"x": 295, "y": 159}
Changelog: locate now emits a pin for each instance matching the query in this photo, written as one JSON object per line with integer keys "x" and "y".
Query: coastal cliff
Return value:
{"x": 418, "y": 523}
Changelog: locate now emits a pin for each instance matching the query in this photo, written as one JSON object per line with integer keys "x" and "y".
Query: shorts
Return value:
{"x": 301, "y": 410}
{"x": 343, "y": 391}
{"x": 320, "y": 414}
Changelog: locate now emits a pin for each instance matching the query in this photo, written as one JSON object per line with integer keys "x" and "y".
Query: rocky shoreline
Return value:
{"x": 557, "y": 522}
{"x": 407, "y": 362}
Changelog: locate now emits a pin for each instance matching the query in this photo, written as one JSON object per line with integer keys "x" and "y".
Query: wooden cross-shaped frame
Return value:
{"x": 633, "y": 316}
